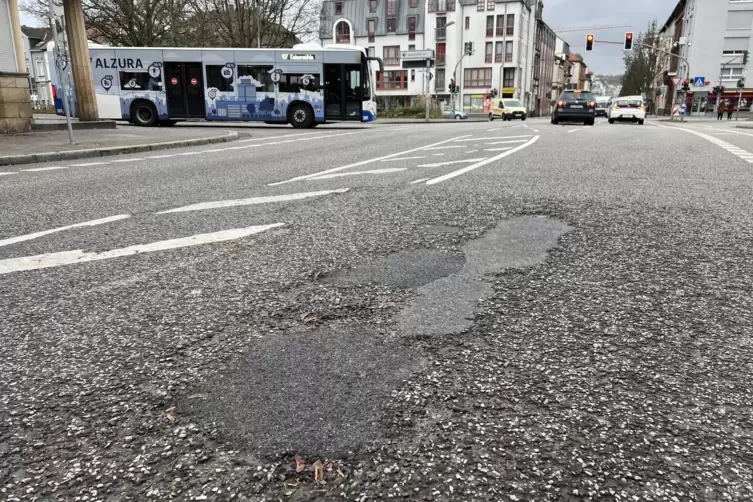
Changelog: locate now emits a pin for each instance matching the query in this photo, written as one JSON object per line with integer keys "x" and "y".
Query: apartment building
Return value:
{"x": 385, "y": 28}
{"x": 711, "y": 38}
{"x": 545, "y": 42}
{"x": 561, "y": 67}
{"x": 578, "y": 78}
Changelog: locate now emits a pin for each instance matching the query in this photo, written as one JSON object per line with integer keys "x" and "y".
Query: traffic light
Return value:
{"x": 589, "y": 42}
{"x": 745, "y": 57}
{"x": 629, "y": 41}
{"x": 453, "y": 86}
{"x": 686, "y": 85}
{"x": 721, "y": 89}
{"x": 741, "y": 83}
{"x": 469, "y": 48}
{"x": 494, "y": 93}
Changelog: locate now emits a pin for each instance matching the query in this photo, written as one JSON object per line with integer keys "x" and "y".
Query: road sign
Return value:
{"x": 699, "y": 81}
{"x": 676, "y": 81}
{"x": 424, "y": 54}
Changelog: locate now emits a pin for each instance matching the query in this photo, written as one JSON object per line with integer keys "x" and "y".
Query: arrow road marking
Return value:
{"x": 253, "y": 200}
{"x": 482, "y": 163}
{"x": 78, "y": 256}
{"x": 36, "y": 235}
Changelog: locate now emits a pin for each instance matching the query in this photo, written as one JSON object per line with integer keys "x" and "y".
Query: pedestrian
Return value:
{"x": 720, "y": 109}
{"x": 730, "y": 109}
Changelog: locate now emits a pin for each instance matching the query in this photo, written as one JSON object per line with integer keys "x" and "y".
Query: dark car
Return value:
{"x": 575, "y": 106}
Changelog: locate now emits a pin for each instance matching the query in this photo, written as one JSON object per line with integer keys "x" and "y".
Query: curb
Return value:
{"x": 76, "y": 126}
{"x": 34, "y": 158}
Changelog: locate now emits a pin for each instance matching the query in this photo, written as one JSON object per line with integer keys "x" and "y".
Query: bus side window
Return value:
{"x": 216, "y": 80}
{"x": 135, "y": 81}
{"x": 260, "y": 75}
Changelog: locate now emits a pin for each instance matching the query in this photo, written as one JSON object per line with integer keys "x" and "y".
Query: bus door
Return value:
{"x": 185, "y": 90}
{"x": 343, "y": 92}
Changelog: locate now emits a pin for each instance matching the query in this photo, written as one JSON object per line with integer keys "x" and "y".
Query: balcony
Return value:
{"x": 489, "y": 32}
{"x": 441, "y": 5}
{"x": 498, "y": 58}
{"x": 488, "y": 58}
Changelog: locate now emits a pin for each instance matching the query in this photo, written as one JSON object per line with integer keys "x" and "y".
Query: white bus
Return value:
{"x": 303, "y": 86}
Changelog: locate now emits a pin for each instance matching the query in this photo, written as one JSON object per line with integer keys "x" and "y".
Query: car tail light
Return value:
{"x": 560, "y": 104}
{"x": 615, "y": 107}
{"x": 592, "y": 104}
{"x": 642, "y": 108}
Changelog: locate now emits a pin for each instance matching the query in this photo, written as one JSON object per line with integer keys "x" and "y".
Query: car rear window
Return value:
{"x": 629, "y": 103}
{"x": 576, "y": 96}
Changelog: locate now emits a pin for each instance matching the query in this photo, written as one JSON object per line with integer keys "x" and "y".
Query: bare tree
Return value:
{"x": 198, "y": 23}
{"x": 644, "y": 64}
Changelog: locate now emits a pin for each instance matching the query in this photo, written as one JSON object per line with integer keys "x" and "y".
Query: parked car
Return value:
{"x": 507, "y": 109}
{"x": 627, "y": 108}
{"x": 575, "y": 105}
{"x": 451, "y": 113}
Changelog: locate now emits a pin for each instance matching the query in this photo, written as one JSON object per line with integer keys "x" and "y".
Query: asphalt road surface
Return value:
{"x": 466, "y": 311}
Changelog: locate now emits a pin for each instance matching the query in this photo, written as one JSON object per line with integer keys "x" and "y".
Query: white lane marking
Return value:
{"x": 127, "y": 160}
{"x": 36, "y": 235}
{"x": 438, "y": 164}
{"x": 351, "y": 173}
{"x": 445, "y": 147}
{"x": 535, "y": 130}
{"x": 471, "y": 151}
{"x": 573, "y": 130}
{"x": 276, "y": 137}
{"x": 161, "y": 156}
{"x": 734, "y": 150}
{"x": 521, "y": 125}
{"x": 6, "y": 174}
{"x": 526, "y": 136}
{"x": 253, "y": 200}
{"x": 482, "y": 163}
{"x": 88, "y": 164}
{"x": 437, "y": 154}
{"x": 405, "y": 158}
{"x": 192, "y": 153}
{"x": 506, "y": 142}
{"x": 79, "y": 256}
{"x": 500, "y": 149}
{"x": 495, "y": 129}
{"x": 418, "y": 181}
{"x": 363, "y": 162}
{"x": 37, "y": 169}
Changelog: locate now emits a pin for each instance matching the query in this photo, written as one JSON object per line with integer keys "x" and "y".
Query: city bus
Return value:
{"x": 302, "y": 86}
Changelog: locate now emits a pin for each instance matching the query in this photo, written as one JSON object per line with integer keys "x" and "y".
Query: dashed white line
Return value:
{"x": 418, "y": 181}
{"x": 471, "y": 151}
{"x": 526, "y": 136}
{"x": 86, "y": 164}
{"x": 739, "y": 152}
{"x": 500, "y": 149}
{"x": 38, "y": 169}
{"x": 352, "y": 173}
{"x": 482, "y": 163}
{"x": 252, "y": 200}
{"x": 495, "y": 129}
{"x": 158, "y": 157}
{"x": 36, "y": 235}
{"x": 126, "y": 160}
{"x": 79, "y": 256}
{"x": 438, "y": 164}
{"x": 573, "y": 130}
{"x": 6, "y": 174}
{"x": 364, "y": 162}
{"x": 437, "y": 154}
{"x": 405, "y": 158}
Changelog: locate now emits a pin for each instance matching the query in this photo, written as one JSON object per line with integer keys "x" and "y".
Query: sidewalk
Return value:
{"x": 45, "y": 146}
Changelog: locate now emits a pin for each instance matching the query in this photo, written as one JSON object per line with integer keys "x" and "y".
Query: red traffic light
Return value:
{"x": 628, "y": 41}
{"x": 629, "y": 36}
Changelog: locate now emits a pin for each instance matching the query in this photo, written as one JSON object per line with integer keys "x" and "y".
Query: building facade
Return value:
{"x": 37, "y": 62}
{"x": 712, "y": 38}
{"x": 561, "y": 67}
{"x": 578, "y": 73}
{"x": 545, "y": 42}
{"x": 499, "y": 34}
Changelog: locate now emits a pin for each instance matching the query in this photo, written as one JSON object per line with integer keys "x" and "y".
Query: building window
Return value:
{"x": 731, "y": 73}
{"x": 440, "y": 54}
{"x": 413, "y": 4}
{"x": 40, "y": 68}
{"x": 467, "y": 22}
{"x": 342, "y": 33}
{"x": 391, "y": 25}
{"x": 338, "y": 7}
{"x": 488, "y": 52}
{"x": 489, "y": 4}
{"x": 477, "y": 77}
{"x": 441, "y": 5}
{"x": 500, "y": 25}
{"x": 508, "y": 77}
{"x": 391, "y": 8}
{"x": 441, "y": 30}
{"x": 392, "y": 55}
{"x": 391, "y": 80}
{"x": 371, "y": 29}
{"x": 411, "y": 47}
{"x": 508, "y": 51}
{"x": 480, "y": 5}
{"x": 489, "y": 26}
{"x": 510, "y": 25}
{"x": 372, "y": 5}
{"x": 498, "y": 52}
{"x": 473, "y": 103}
{"x": 439, "y": 85}
{"x": 412, "y": 27}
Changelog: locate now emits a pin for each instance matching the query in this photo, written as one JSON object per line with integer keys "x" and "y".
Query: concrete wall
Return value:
{"x": 15, "y": 108}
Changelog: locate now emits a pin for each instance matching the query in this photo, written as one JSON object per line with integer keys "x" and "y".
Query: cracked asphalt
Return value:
{"x": 569, "y": 321}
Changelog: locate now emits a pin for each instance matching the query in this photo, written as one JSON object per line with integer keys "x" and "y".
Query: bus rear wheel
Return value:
{"x": 301, "y": 116}
{"x": 144, "y": 114}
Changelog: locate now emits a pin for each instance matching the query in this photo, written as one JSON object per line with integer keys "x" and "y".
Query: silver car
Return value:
{"x": 449, "y": 113}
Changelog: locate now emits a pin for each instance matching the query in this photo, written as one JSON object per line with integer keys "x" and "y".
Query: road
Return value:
{"x": 461, "y": 311}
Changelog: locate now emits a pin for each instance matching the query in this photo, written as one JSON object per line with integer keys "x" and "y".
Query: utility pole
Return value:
{"x": 62, "y": 78}
{"x": 78, "y": 49}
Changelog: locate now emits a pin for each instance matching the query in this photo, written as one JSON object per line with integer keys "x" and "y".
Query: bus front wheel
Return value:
{"x": 143, "y": 113}
{"x": 301, "y": 116}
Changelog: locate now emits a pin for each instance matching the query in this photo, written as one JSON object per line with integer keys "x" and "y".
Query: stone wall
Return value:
{"x": 15, "y": 104}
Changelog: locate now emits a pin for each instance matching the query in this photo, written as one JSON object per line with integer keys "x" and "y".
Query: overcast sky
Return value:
{"x": 605, "y": 59}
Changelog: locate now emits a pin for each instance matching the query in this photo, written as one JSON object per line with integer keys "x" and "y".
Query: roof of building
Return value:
{"x": 574, "y": 58}
{"x": 676, "y": 12}
{"x": 38, "y": 37}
